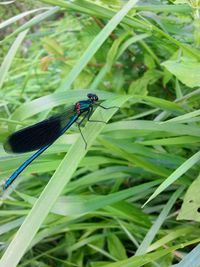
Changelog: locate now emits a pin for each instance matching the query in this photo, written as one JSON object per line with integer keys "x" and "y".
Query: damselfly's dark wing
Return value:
{"x": 38, "y": 135}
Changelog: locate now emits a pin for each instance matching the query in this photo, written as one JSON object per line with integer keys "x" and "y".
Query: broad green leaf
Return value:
{"x": 190, "y": 209}
{"x": 186, "y": 70}
{"x": 140, "y": 86}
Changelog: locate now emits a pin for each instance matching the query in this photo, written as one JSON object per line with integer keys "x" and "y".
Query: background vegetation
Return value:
{"x": 77, "y": 207}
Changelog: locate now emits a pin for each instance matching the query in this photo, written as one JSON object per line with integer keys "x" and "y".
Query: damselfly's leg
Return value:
{"x": 91, "y": 111}
{"x": 79, "y": 126}
{"x": 87, "y": 115}
{"x": 99, "y": 105}
{"x": 90, "y": 114}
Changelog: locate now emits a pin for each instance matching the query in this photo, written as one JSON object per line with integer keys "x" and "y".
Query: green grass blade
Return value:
{"x": 79, "y": 205}
{"x": 18, "y": 17}
{"x": 96, "y": 44}
{"x": 34, "y": 21}
{"x": 137, "y": 261}
{"x": 10, "y": 56}
{"x": 159, "y": 221}
{"x": 175, "y": 175}
{"x": 186, "y": 117}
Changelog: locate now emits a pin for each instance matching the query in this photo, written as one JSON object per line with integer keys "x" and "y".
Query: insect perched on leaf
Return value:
{"x": 43, "y": 134}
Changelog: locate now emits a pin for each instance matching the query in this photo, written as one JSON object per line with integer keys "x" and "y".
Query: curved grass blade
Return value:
{"x": 159, "y": 221}
{"x": 35, "y": 20}
{"x": 20, "y": 16}
{"x": 175, "y": 175}
{"x": 96, "y": 44}
{"x": 10, "y": 56}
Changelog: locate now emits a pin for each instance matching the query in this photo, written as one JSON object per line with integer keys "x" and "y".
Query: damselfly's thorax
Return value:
{"x": 84, "y": 105}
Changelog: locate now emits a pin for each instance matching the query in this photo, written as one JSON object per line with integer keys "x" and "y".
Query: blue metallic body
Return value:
{"x": 15, "y": 174}
{"x": 82, "y": 107}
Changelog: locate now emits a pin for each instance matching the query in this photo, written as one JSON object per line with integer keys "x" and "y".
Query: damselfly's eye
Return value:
{"x": 96, "y": 98}
{"x": 89, "y": 96}
{"x": 93, "y": 97}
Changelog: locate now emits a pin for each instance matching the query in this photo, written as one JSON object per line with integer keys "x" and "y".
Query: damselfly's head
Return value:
{"x": 93, "y": 97}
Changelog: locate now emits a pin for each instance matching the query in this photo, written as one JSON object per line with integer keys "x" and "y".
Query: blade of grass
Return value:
{"x": 171, "y": 141}
{"x": 35, "y": 20}
{"x": 159, "y": 221}
{"x": 96, "y": 44}
{"x": 20, "y": 16}
{"x": 137, "y": 261}
{"x": 172, "y": 128}
{"x": 173, "y": 235}
{"x": 175, "y": 175}
{"x": 77, "y": 205}
{"x": 184, "y": 118}
{"x": 10, "y": 56}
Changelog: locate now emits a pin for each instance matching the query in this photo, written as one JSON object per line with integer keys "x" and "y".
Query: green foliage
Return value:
{"x": 191, "y": 204}
{"x": 185, "y": 70}
{"x": 78, "y": 207}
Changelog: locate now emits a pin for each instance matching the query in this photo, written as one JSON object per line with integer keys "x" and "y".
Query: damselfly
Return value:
{"x": 43, "y": 134}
